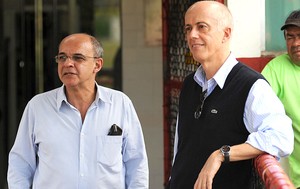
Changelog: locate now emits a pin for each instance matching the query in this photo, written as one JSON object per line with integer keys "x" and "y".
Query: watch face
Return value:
{"x": 225, "y": 149}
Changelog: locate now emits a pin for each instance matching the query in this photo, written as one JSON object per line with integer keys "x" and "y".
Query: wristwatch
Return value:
{"x": 225, "y": 150}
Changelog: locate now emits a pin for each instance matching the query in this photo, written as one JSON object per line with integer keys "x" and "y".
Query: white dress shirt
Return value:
{"x": 55, "y": 149}
{"x": 264, "y": 115}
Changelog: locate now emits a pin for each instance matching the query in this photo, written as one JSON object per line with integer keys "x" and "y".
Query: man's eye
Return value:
{"x": 78, "y": 58}
{"x": 187, "y": 29}
{"x": 290, "y": 37}
{"x": 202, "y": 27}
{"x": 62, "y": 58}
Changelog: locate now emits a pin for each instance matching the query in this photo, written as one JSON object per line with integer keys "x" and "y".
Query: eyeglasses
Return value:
{"x": 199, "y": 109}
{"x": 78, "y": 58}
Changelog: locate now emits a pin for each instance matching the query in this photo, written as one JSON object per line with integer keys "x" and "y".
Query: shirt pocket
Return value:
{"x": 109, "y": 150}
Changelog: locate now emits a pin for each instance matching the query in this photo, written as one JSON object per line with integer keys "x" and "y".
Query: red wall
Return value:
{"x": 257, "y": 63}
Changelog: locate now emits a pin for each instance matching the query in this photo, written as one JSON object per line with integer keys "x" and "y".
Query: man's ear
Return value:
{"x": 227, "y": 34}
{"x": 98, "y": 64}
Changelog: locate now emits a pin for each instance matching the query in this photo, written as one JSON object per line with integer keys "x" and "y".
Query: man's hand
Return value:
{"x": 213, "y": 163}
{"x": 209, "y": 170}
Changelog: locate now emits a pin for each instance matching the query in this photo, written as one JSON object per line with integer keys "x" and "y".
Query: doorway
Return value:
{"x": 30, "y": 31}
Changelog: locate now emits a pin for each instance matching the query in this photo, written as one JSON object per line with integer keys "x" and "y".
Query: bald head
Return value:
{"x": 85, "y": 38}
{"x": 216, "y": 10}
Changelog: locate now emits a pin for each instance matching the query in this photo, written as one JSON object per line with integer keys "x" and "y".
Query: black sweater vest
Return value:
{"x": 220, "y": 123}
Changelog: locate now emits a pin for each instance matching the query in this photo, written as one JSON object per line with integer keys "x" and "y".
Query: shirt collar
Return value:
{"x": 199, "y": 77}
{"x": 222, "y": 73}
{"x": 101, "y": 95}
{"x": 220, "y": 76}
{"x": 61, "y": 97}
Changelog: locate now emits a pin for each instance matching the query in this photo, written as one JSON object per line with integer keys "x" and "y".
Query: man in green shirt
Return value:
{"x": 283, "y": 74}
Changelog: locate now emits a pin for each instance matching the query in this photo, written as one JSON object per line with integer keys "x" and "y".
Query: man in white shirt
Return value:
{"x": 80, "y": 135}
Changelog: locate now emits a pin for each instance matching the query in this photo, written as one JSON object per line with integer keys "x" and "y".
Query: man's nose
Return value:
{"x": 193, "y": 33}
{"x": 69, "y": 61}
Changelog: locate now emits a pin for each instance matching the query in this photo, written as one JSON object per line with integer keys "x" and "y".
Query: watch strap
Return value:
{"x": 225, "y": 150}
{"x": 226, "y": 157}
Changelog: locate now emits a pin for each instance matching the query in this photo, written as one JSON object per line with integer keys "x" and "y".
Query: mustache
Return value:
{"x": 295, "y": 48}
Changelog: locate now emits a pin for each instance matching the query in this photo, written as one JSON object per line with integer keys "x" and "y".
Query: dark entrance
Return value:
{"x": 30, "y": 31}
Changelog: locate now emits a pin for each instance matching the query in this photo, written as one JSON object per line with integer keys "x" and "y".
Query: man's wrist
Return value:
{"x": 225, "y": 151}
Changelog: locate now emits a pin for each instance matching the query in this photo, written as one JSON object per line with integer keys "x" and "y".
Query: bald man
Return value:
{"x": 228, "y": 113}
{"x": 80, "y": 135}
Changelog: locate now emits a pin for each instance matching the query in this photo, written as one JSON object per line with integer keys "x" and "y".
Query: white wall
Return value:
{"x": 249, "y": 27}
{"x": 142, "y": 82}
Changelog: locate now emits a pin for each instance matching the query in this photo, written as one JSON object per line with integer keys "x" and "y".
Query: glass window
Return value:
{"x": 107, "y": 29}
{"x": 276, "y": 13}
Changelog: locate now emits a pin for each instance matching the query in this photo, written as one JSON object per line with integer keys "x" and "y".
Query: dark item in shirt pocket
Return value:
{"x": 115, "y": 130}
